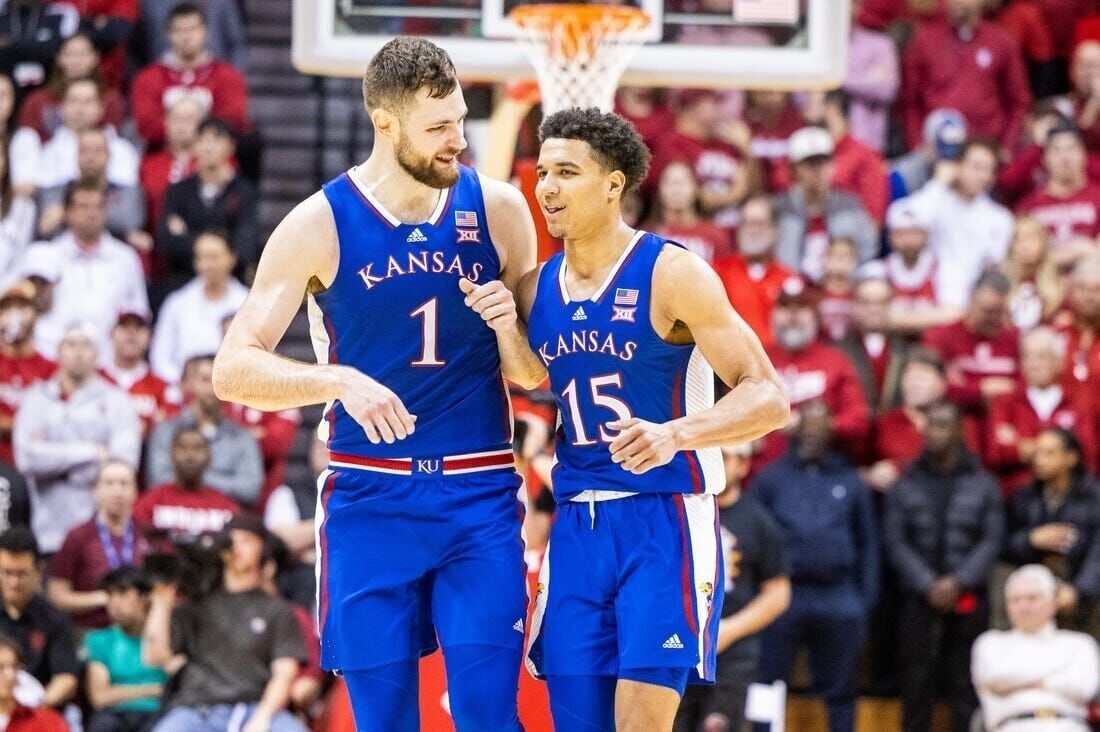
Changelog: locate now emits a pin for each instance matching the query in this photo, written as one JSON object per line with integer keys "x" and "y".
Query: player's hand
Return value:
{"x": 492, "y": 301}
{"x": 641, "y": 446}
{"x": 378, "y": 410}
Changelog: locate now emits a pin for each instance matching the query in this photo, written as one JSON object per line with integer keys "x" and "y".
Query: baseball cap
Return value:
{"x": 794, "y": 292}
{"x": 945, "y": 127}
{"x": 83, "y": 329}
{"x": 246, "y": 521}
{"x": 905, "y": 214}
{"x": 40, "y": 260}
{"x": 127, "y": 315}
{"x": 810, "y": 142}
{"x": 22, "y": 290}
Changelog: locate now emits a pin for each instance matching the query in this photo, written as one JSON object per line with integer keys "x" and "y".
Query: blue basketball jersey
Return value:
{"x": 395, "y": 312}
{"x": 606, "y": 362}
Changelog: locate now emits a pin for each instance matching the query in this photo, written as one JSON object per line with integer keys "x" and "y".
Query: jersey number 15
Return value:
{"x": 596, "y": 384}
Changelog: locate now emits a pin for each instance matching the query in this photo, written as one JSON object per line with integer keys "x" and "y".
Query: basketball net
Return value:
{"x": 579, "y": 51}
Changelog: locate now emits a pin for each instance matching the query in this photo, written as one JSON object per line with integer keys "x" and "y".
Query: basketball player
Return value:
{"x": 409, "y": 261}
{"x": 627, "y": 323}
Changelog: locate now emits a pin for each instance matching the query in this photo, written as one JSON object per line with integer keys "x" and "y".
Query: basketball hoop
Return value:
{"x": 579, "y": 51}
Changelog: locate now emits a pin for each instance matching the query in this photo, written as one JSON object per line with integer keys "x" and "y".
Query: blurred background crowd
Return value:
{"x": 919, "y": 251}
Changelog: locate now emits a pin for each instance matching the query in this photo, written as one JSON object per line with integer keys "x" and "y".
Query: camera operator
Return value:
{"x": 239, "y": 647}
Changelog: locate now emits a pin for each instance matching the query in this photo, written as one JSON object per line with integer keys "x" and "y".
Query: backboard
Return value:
{"x": 773, "y": 44}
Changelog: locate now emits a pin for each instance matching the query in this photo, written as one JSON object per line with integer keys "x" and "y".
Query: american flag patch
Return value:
{"x": 624, "y": 296}
{"x": 766, "y": 11}
{"x": 466, "y": 218}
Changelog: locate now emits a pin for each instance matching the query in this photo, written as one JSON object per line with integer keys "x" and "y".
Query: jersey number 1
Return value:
{"x": 616, "y": 405}
{"x": 428, "y": 311}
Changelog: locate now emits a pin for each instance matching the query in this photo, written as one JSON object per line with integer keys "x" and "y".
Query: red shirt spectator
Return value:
{"x": 649, "y": 115}
{"x": 41, "y": 719}
{"x": 752, "y": 277}
{"x": 1061, "y": 17}
{"x": 188, "y": 70}
{"x": 821, "y": 372}
{"x": 974, "y": 67}
{"x": 720, "y": 165}
{"x": 82, "y": 560}
{"x": 21, "y": 365}
{"x": 275, "y": 433}
{"x": 109, "y": 22}
{"x": 1014, "y": 423}
{"x": 980, "y": 353}
{"x": 1085, "y": 95}
{"x": 177, "y": 511}
{"x": 1069, "y": 206}
{"x": 176, "y": 160}
{"x": 151, "y": 396}
{"x": 676, "y": 214}
{"x": 772, "y": 119}
{"x": 1080, "y": 326}
{"x": 898, "y": 437}
{"x": 1024, "y": 21}
{"x": 812, "y": 371}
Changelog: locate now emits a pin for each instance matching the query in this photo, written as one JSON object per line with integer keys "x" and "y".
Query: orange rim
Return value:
{"x": 542, "y": 15}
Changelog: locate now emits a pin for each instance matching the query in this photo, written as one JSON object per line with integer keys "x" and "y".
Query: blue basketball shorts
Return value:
{"x": 404, "y": 559}
{"x": 629, "y": 583}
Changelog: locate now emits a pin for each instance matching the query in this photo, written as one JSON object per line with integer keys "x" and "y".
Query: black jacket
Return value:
{"x": 1081, "y": 566}
{"x": 944, "y": 524}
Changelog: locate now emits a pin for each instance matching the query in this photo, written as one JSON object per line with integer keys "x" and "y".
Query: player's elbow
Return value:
{"x": 530, "y": 379}
{"x": 225, "y": 384}
{"x": 777, "y": 407}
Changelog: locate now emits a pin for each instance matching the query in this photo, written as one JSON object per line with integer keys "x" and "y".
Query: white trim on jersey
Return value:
{"x": 699, "y": 395}
{"x": 701, "y": 513}
{"x": 440, "y": 205}
{"x": 318, "y": 336}
{"x": 318, "y": 521}
{"x": 610, "y": 275}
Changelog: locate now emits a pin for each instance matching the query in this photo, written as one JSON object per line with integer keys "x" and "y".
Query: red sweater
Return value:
{"x": 1082, "y": 354}
{"x": 149, "y": 396}
{"x": 16, "y": 376}
{"x": 821, "y": 373}
{"x": 769, "y": 142}
{"x": 42, "y": 719}
{"x": 217, "y": 84}
{"x": 897, "y": 438}
{"x": 1012, "y": 419}
{"x": 752, "y": 291}
{"x": 42, "y": 112}
{"x": 1024, "y": 20}
{"x": 705, "y": 239}
{"x": 159, "y": 170}
{"x": 654, "y": 125}
{"x": 1066, "y": 218}
{"x": 716, "y": 165}
{"x": 983, "y": 78}
{"x": 173, "y": 511}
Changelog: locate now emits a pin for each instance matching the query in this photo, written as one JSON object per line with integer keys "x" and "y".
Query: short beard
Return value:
{"x": 795, "y": 339}
{"x": 421, "y": 168}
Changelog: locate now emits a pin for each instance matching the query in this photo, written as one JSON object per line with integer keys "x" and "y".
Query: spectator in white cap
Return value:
{"x": 1034, "y": 678}
{"x": 65, "y": 428}
{"x": 40, "y": 268}
{"x": 812, "y": 212}
{"x": 99, "y": 276}
{"x": 911, "y": 270}
{"x": 966, "y": 226}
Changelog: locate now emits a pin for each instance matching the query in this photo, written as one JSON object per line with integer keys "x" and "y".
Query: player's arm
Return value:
{"x": 513, "y": 232}
{"x": 689, "y": 295}
{"x": 301, "y": 252}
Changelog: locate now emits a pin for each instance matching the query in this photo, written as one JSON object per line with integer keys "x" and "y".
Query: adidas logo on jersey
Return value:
{"x": 416, "y": 236}
{"x": 673, "y": 642}
{"x": 579, "y": 315}
{"x": 518, "y": 627}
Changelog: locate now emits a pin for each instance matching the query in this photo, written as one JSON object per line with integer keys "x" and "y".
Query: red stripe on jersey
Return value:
{"x": 677, "y": 412}
{"x": 485, "y": 461}
{"x": 685, "y": 573}
{"x": 367, "y": 462}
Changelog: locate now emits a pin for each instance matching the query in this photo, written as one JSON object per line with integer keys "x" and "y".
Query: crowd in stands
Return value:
{"x": 919, "y": 252}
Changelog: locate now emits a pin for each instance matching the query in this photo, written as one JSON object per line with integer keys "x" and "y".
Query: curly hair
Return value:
{"x": 401, "y": 68}
{"x": 615, "y": 144}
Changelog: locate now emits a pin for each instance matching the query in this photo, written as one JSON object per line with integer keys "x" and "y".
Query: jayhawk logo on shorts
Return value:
{"x": 707, "y": 588}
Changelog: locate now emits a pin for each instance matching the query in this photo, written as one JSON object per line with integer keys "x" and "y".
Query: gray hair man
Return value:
{"x": 1034, "y": 678}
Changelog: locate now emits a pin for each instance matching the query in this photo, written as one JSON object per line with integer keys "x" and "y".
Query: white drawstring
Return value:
{"x": 592, "y": 510}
